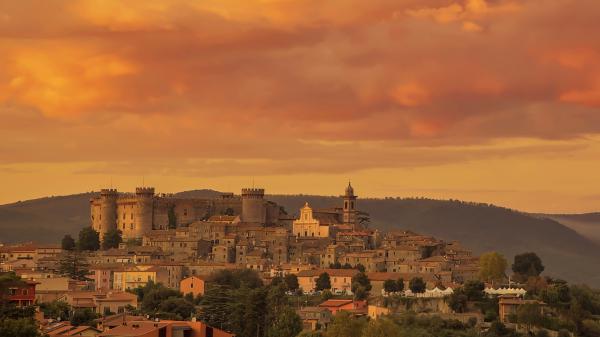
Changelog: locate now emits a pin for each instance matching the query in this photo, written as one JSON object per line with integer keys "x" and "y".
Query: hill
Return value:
{"x": 586, "y": 224}
{"x": 481, "y": 227}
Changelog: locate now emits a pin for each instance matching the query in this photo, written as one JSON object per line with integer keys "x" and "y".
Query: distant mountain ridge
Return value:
{"x": 481, "y": 227}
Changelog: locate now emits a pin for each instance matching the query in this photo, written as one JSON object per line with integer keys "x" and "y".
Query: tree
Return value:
{"x": 83, "y": 317}
{"x": 236, "y": 278}
{"x": 557, "y": 294}
{"x": 286, "y": 324}
{"x": 382, "y": 327}
{"x": 323, "y": 282}
{"x": 344, "y": 325}
{"x": 112, "y": 239}
{"x": 417, "y": 285}
{"x": 291, "y": 282}
{"x": 492, "y": 267}
{"x": 400, "y": 284}
{"x": 361, "y": 286}
{"x": 68, "y": 243}
{"x": 326, "y": 295}
{"x": 474, "y": 290}
{"x": 217, "y": 305}
{"x": 458, "y": 301}
{"x": 22, "y": 327}
{"x": 360, "y": 268}
{"x": 89, "y": 239}
{"x": 390, "y": 286}
{"x": 56, "y": 310}
{"x": 529, "y": 314}
{"x": 526, "y": 265}
{"x": 177, "y": 306}
{"x": 75, "y": 266}
{"x": 155, "y": 295}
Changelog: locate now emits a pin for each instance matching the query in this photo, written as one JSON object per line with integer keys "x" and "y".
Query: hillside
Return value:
{"x": 587, "y": 224}
{"x": 566, "y": 253}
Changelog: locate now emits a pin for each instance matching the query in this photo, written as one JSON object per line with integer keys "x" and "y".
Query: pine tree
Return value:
{"x": 68, "y": 243}
{"x": 112, "y": 239}
{"x": 323, "y": 282}
{"x": 75, "y": 266}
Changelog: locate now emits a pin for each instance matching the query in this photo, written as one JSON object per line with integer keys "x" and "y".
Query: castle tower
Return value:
{"x": 106, "y": 218}
{"x": 349, "y": 206}
{"x": 144, "y": 212}
{"x": 253, "y": 205}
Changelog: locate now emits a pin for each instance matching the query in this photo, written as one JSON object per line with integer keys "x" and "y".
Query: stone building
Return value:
{"x": 139, "y": 213}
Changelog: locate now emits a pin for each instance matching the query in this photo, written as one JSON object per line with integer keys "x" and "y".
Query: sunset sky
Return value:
{"x": 495, "y": 101}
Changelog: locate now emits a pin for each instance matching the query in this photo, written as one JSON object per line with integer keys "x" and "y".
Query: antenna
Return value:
{"x": 143, "y": 181}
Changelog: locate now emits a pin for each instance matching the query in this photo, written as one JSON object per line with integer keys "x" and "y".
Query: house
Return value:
{"x": 160, "y": 328}
{"x": 376, "y": 311}
{"x": 192, "y": 285}
{"x": 315, "y": 318}
{"x": 100, "y": 302}
{"x": 341, "y": 279}
{"x": 509, "y": 304}
{"x": 63, "y": 329}
{"x": 356, "y": 307}
{"x": 22, "y": 293}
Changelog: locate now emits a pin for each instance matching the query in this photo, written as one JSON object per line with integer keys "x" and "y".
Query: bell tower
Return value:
{"x": 349, "y": 206}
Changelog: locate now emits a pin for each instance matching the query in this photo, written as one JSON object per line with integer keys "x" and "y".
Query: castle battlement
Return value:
{"x": 109, "y": 192}
{"x": 144, "y": 191}
{"x": 253, "y": 192}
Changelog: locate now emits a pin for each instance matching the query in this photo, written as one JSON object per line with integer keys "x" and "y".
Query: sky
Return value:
{"x": 494, "y": 101}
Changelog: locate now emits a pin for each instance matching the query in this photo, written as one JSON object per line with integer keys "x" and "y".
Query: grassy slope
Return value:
{"x": 480, "y": 227}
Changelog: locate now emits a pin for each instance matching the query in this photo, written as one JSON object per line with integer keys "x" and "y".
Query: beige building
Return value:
{"x": 341, "y": 279}
{"x": 308, "y": 226}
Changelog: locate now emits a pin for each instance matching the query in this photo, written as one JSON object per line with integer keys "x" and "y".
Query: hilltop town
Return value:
{"x": 186, "y": 251}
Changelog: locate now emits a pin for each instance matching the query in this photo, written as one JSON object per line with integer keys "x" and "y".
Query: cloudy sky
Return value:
{"x": 494, "y": 101}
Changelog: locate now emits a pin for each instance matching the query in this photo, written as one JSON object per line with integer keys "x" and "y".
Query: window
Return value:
{"x": 131, "y": 226}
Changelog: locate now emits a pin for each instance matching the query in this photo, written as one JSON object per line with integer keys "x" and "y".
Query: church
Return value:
{"x": 325, "y": 223}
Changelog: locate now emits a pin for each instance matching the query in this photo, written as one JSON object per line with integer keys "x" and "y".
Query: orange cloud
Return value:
{"x": 288, "y": 86}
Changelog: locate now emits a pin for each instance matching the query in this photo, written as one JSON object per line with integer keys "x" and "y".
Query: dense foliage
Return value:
{"x": 15, "y": 322}
{"x": 112, "y": 238}
{"x": 89, "y": 239}
{"x": 247, "y": 308}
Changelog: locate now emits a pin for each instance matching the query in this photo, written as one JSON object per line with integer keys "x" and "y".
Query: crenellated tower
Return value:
{"x": 144, "y": 212}
{"x": 106, "y": 218}
{"x": 253, "y": 205}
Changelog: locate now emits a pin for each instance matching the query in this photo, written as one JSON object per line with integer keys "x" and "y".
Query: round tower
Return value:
{"x": 144, "y": 212}
{"x": 107, "y": 217}
{"x": 253, "y": 205}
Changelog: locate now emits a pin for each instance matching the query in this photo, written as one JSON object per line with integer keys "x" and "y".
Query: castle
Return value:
{"x": 139, "y": 213}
